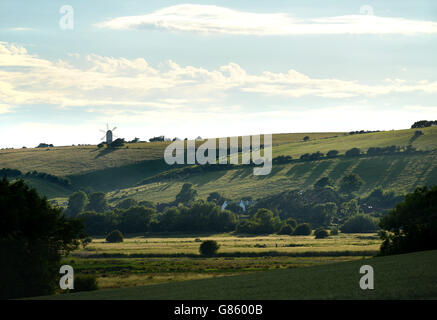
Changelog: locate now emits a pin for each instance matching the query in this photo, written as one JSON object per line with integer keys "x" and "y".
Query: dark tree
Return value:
{"x": 215, "y": 197}
{"x": 412, "y": 224}
{"x": 117, "y": 143}
{"x": 187, "y": 194}
{"x": 126, "y": 203}
{"x": 76, "y": 203}
{"x": 332, "y": 153}
{"x": 209, "y": 248}
{"x": 360, "y": 223}
{"x": 321, "y": 233}
{"x": 97, "y": 202}
{"x": 323, "y": 182}
{"x": 353, "y": 152}
{"x": 114, "y": 236}
{"x": 33, "y": 238}
{"x": 351, "y": 183}
{"x": 286, "y": 229}
{"x": 303, "y": 229}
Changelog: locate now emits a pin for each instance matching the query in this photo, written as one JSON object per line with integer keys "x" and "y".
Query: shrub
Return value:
{"x": 303, "y": 229}
{"x": 85, "y": 282}
{"x": 360, "y": 223}
{"x": 114, "y": 236}
{"x": 321, "y": 233}
{"x": 286, "y": 229}
{"x": 209, "y": 248}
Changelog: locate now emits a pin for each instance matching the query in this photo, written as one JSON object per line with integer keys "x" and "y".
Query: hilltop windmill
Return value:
{"x": 108, "y": 134}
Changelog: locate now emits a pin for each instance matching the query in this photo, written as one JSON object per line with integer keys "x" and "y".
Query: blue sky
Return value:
{"x": 213, "y": 68}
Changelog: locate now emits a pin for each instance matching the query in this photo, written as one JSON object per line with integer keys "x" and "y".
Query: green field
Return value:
{"x": 146, "y": 260}
{"x": 407, "y": 276}
{"x": 119, "y": 172}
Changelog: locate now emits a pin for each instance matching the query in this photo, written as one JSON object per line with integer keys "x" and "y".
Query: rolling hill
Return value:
{"x": 122, "y": 172}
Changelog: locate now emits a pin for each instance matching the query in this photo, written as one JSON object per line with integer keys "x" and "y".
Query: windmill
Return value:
{"x": 108, "y": 134}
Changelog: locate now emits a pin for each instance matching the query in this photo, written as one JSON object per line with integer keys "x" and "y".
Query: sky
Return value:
{"x": 212, "y": 68}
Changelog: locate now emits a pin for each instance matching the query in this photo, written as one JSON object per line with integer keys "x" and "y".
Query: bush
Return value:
{"x": 114, "y": 236}
{"x": 85, "y": 282}
{"x": 360, "y": 223}
{"x": 209, "y": 248}
{"x": 286, "y": 229}
{"x": 321, "y": 233}
{"x": 303, "y": 229}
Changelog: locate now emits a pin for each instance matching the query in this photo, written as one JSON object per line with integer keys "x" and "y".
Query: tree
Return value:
{"x": 412, "y": 224}
{"x": 306, "y": 138}
{"x": 76, "y": 203}
{"x": 348, "y": 209}
{"x": 351, "y": 183}
{"x": 33, "y": 238}
{"x": 332, "y": 153}
{"x": 291, "y": 222}
{"x": 117, "y": 143}
{"x": 114, "y": 236}
{"x": 215, "y": 197}
{"x": 97, "y": 202}
{"x": 323, "y": 182}
{"x": 209, "y": 248}
{"x": 126, "y": 203}
{"x": 286, "y": 229}
{"x": 360, "y": 223}
{"x": 136, "y": 219}
{"x": 321, "y": 233}
{"x": 353, "y": 152}
{"x": 95, "y": 222}
{"x": 186, "y": 195}
{"x": 303, "y": 229}
{"x": 323, "y": 213}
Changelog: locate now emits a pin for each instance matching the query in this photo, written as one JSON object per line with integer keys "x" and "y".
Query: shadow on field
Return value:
{"x": 104, "y": 152}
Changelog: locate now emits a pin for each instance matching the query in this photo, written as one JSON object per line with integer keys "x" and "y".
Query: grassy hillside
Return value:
{"x": 76, "y": 160}
{"x": 408, "y": 276}
{"x": 400, "y": 173}
{"x": 120, "y": 170}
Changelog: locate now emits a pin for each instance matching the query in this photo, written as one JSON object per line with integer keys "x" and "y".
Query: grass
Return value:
{"x": 152, "y": 259}
{"x": 407, "y": 276}
{"x": 401, "y": 173}
{"x": 118, "y": 171}
{"x": 229, "y": 243}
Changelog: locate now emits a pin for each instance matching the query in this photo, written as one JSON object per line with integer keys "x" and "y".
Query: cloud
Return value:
{"x": 132, "y": 83}
{"x": 210, "y": 19}
{"x": 4, "y": 108}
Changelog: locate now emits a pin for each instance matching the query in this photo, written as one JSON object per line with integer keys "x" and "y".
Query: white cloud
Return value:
{"x": 133, "y": 83}
{"x": 210, "y": 19}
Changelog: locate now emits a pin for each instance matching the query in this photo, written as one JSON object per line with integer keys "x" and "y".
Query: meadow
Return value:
{"x": 148, "y": 260}
{"x": 406, "y": 276}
